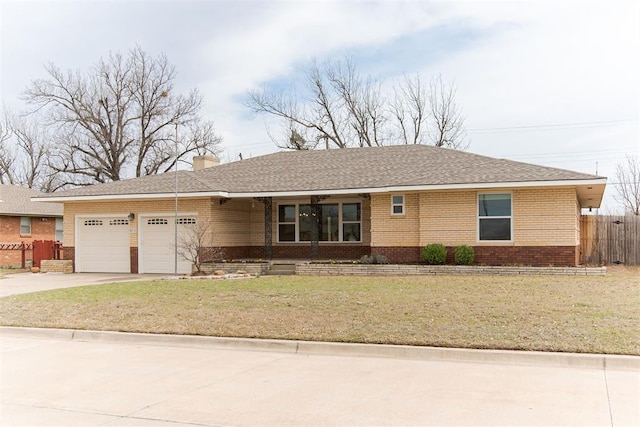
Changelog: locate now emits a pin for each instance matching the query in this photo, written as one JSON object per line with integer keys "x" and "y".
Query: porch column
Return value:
{"x": 268, "y": 225}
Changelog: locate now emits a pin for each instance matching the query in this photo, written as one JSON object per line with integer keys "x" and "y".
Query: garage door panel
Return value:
{"x": 157, "y": 244}
{"x": 103, "y": 245}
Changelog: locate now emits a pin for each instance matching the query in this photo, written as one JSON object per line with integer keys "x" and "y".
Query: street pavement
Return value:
{"x": 76, "y": 378}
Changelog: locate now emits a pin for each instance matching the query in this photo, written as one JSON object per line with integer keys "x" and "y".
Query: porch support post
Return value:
{"x": 268, "y": 225}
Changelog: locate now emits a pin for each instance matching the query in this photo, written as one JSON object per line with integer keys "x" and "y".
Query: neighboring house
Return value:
{"x": 388, "y": 200}
{"x": 22, "y": 220}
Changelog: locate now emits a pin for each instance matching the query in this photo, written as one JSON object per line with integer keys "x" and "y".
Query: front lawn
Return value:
{"x": 548, "y": 313}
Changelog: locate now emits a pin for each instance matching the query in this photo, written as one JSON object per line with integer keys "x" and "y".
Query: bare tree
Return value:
{"x": 24, "y": 154}
{"x": 117, "y": 120}
{"x": 628, "y": 184}
{"x": 196, "y": 245}
{"x": 342, "y": 108}
{"x": 447, "y": 122}
{"x": 7, "y": 158}
{"x": 409, "y": 109}
{"x": 318, "y": 112}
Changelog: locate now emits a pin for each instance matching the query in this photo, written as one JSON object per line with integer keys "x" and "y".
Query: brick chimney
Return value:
{"x": 203, "y": 162}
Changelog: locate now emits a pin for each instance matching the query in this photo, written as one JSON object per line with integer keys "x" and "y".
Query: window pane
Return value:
{"x": 287, "y": 232}
{"x": 397, "y": 209}
{"x": 494, "y": 205}
{"x": 351, "y": 212}
{"x": 351, "y": 232}
{"x": 397, "y": 200}
{"x": 305, "y": 223}
{"x": 495, "y": 229}
{"x": 329, "y": 223}
{"x": 25, "y": 225}
{"x": 286, "y": 213}
{"x": 59, "y": 229}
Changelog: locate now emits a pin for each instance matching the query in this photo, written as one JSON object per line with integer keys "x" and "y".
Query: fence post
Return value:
{"x": 22, "y": 246}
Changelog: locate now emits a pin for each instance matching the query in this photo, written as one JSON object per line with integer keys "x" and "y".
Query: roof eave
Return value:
{"x": 342, "y": 191}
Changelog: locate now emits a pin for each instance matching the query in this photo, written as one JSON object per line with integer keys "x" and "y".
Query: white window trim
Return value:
{"x": 342, "y": 222}
{"x": 295, "y": 222}
{"x": 478, "y": 217}
{"x": 322, "y": 242}
{"x": 30, "y": 225}
{"x": 393, "y": 205}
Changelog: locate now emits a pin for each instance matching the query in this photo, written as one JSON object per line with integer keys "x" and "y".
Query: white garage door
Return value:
{"x": 157, "y": 244}
{"x": 102, "y": 245}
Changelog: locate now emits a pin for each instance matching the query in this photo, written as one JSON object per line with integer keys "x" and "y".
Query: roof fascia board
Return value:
{"x": 131, "y": 196}
{"x": 342, "y": 191}
{"x": 410, "y": 188}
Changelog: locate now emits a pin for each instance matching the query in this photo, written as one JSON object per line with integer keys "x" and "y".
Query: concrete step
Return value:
{"x": 282, "y": 269}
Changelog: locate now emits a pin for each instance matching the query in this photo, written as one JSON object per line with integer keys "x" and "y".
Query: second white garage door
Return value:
{"x": 157, "y": 237}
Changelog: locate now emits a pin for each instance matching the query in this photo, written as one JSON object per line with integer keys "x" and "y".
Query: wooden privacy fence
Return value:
{"x": 39, "y": 249}
{"x": 609, "y": 239}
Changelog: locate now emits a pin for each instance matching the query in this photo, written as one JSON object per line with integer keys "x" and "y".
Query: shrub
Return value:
{"x": 365, "y": 259}
{"x": 463, "y": 255}
{"x": 374, "y": 259}
{"x": 434, "y": 253}
{"x": 379, "y": 259}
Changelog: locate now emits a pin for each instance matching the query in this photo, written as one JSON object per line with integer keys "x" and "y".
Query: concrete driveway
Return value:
{"x": 51, "y": 377}
{"x": 23, "y": 283}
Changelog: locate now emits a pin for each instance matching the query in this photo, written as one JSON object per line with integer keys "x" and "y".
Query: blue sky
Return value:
{"x": 546, "y": 82}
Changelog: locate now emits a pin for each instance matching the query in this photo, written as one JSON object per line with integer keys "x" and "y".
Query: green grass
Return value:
{"x": 548, "y": 313}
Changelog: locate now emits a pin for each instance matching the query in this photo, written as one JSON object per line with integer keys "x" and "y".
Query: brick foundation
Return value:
{"x": 399, "y": 254}
{"x": 70, "y": 254}
{"x": 133, "y": 259}
{"x": 324, "y": 252}
{"x": 297, "y": 252}
{"x": 537, "y": 256}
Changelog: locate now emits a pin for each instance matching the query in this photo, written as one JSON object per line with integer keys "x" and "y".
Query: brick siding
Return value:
{"x": 545, "y": 227}
{"x": 42, "y": 228}
{"x": 495, "y": 255}
{"x": 133, "y": 256}
{"x": 302, "y": 251}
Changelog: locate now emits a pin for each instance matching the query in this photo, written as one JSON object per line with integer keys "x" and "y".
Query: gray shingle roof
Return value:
{"x": 339, "y": 169}
{"x": 16, "y": 201}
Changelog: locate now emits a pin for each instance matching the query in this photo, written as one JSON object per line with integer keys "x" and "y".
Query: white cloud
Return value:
{"x": 516, "y": 63}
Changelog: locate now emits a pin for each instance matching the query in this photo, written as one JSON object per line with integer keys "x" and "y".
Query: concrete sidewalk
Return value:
{"x": 23, "y": 283}
{"x": 52, "y": 377}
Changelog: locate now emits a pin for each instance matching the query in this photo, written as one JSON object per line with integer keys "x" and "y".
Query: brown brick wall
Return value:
{"x": 133, "y": 256}
{"x": 399, "y": 254}
{"x": 343, "y": 252}
{"x": 539, "y": 256}
{"x": 324, "y": 251}
{"x": 70, "y": 254}
{"x": 42, "y": 228}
